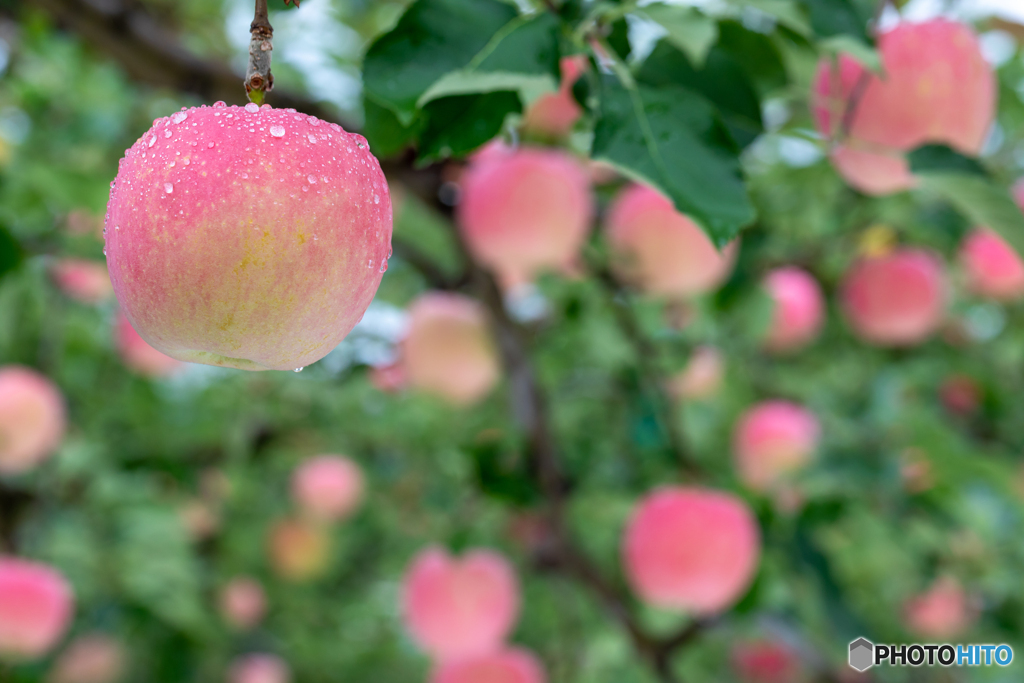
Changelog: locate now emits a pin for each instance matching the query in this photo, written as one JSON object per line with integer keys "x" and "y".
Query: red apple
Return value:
{"x": 513, "y": 665}
{"x": 994, "y": 270}
{"x": 772, "y": 440}
{"x": 554, "y": 114}
{"x": 941, "y": 613}
{"x": 32, "y": 419}
{"x": 898, "y": 299}
{"x": 243, "y": 603}
{"x": 799, "y": 309}
{"x": 259, "y": 668}
{"x": 36, "y": 606}
{"x": 456, "y": 608}
{"x": 247, "y": 237}
{"x": 691, "y": 549}
{"x": 936, "y": 88}
{"x": 449, "y": 351}
{"x": 524, "y": 211}
{"x": 90, "y": 658}
{"x": 299, "y": 551}
{"x": 702, "y": 376}
{"x": 82, "y": 280}
{"x": 660, "y": 250}
{"x": 327, "y": 488}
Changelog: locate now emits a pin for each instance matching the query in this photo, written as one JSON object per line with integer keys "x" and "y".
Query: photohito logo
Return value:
{"x": 864, "y": 654}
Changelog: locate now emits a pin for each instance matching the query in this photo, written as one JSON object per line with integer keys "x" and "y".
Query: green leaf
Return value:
{"x": 980, "y": 201}
{"x": 940, "y": 158}
{"x": 721, "y": 80}
{"x": 433, "y": 38}
{"x": 11, "y": 253}
{"x": 671, "y": 138}
{"x": 756, "y": 54}
{"x": 690, "y": 30}
{"x": 787, "y": 13}
{"x": 385, "y": 133}
{"x": 458, "y": 125}
{"x": 838, "y": 17}
{"x": 859, "y": 50}
{"x": 474, "y": 82}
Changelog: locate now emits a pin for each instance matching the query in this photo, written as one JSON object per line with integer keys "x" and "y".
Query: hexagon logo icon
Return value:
{"x": 862, "y": 654}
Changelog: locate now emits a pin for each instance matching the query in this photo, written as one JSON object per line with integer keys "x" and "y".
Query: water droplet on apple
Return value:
{"x": 179, "y": 116}
{"x": 277, "y": 131}
{"x": 168, "y": 188}
{"x": 252, "y": 107}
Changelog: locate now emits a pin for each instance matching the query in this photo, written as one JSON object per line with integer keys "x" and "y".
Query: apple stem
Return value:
{"x": 258, "y": 79}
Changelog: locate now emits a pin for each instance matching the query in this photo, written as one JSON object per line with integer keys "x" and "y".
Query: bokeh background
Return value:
{"x": 171, "y": 480}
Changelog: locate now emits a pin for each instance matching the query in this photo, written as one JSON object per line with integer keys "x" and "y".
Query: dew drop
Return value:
{"x": 167, "y": 133}
{"x": 265, "y": 106}
{"x": 252, "y": 107}
{"x": 298, "y": 370}
{"x": 376, "y": 199}
{"x": 210, "y": 146}
{"x": 384, "y": 266}
{"x": 219, "y": 104}
{"x": 313, "y": 121}
{"x": 244, "y": 175}
{"x": 186, "y": 161}
{"x": 152, "y": 141}
{"x": 277, "y": 131}
{"x": 305, "y": 188}
{"x": 312, "y": 138}
{"x": 179, "y": 116}
{"x": 311, "y": 179}
{"x": 168, "y": 188}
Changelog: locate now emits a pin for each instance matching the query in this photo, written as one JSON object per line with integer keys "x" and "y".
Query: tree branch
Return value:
{"x": 258, "y": 78}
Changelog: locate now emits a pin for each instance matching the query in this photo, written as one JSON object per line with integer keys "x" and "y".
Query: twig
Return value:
{"x": 258, "y": 78}
{"x": 647, "y": 360}
{"x": 861, "y": 86}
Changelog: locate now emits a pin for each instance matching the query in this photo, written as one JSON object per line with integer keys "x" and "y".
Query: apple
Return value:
{"x": 327, "y": 488}
{"x": 993, "y": 268}
{"x": 85, "y": 281}
{"x": 456, "y": 608}
{"x": 90, "y": 658}
{"x": 36, "y": 606}
{"x": 772, "y": 440}
{"x": 691, "y": 549}
{"x": 798, "y": 312}
{"x": 32, "y": 419}
{"x": 661, "y": 251}
{"x": 247, "y": 237}
{"x": 513, "y": 665}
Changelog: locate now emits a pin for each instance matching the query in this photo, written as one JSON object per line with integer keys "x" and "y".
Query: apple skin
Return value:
{"x": 937, "y": 88}
{"x": 90, "y": 658}
{"x": 993, "y": 268}
{"x": 32, "y": 419}
{"x": 691, "y": 549}
{"x": 36, "y": 607}
{"x": 513, "y": 665}
{"x": 661, "y": 251}
{"x": 246, "y": 237}
{"x": 459, "y": 607}
{"x": 898, "y": 299}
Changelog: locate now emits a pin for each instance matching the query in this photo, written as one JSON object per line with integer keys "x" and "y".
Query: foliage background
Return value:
{"x": 108, "y": 509}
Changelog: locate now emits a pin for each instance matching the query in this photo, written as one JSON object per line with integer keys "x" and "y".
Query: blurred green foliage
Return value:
{"x": 109, "y": 510}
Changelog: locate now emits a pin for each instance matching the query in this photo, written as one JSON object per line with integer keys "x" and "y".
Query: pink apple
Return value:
{"x": 36, "y": 606}
{"x": 32, "y": 419}
{"x": 259, "y": 668}
{"x": 388, "y": 378}
{"x": 138, "y": 355}
{"x": 243, "y": 603}
{"x": 513, "y": 665}
{"x": 524, "y": 211}
{"x": 328, "y": 487}
{"x": 660, "y": 250}
{"x": 898, "y": 299}
{"x": 702, "y": 376}
{"x": 941, "y": 613}
{"x": 766, "y": 661}
{"x": 554, "y": 114}
{"x": 82, "y": 280}
{"x": 299, "y": 551}
{"x": 993, "y": 268}
{"x": 90, "y": 658}
{"x": 449, "y": 351}
{"x": 936, "y": 88}
{"x": 799, "y": 309}
{"x": 772, "y": 440}
{"x": 691, "y": 549}
{"x": 459, "y": 607}
{"x": 247, "y": 237}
